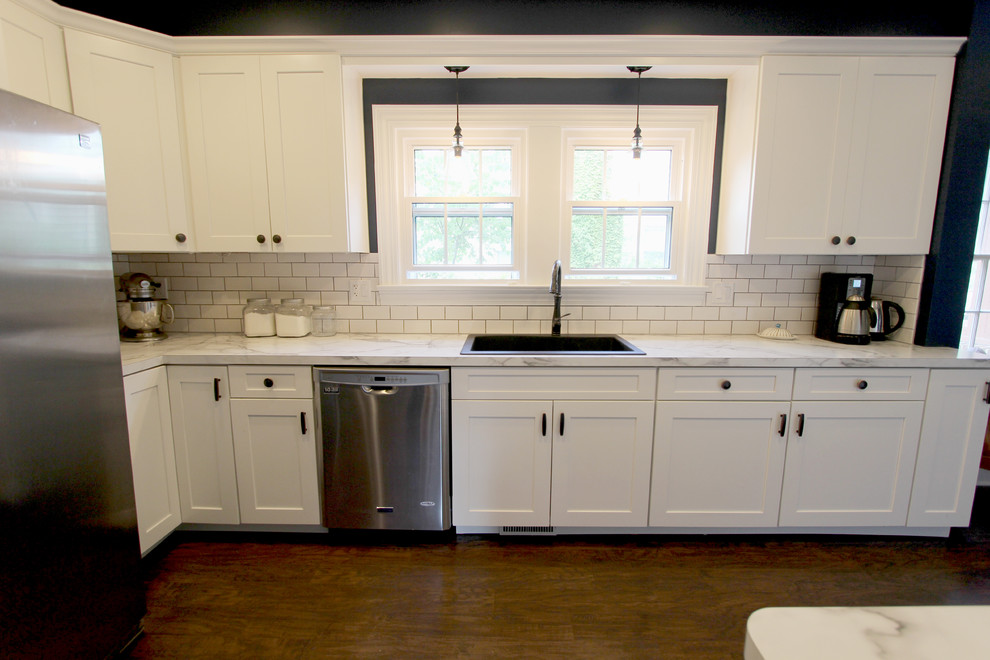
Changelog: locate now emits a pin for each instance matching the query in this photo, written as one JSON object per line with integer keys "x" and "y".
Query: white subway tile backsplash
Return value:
{"x": 209, "y": 290}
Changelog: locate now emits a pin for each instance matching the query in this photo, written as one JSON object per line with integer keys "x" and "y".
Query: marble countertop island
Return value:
{"x": 444, "y": 350}
{"x": 959, "y": 632}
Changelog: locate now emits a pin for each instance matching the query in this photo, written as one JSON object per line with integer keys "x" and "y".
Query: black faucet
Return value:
{"x": 555, "y": 290}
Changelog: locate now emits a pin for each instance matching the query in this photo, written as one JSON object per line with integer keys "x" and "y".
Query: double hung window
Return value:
{"x": 536, "y": 184}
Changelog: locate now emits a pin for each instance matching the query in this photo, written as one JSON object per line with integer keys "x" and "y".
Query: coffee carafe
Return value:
{"x": 882, "y": 324}
{"x": 855, "y": 319}
{"x": 142, "y": 315}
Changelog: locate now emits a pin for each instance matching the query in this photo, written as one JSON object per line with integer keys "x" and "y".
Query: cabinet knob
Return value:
{"x": 862, "y": 384}
{"x": 261, "y": 238}
{"x": 180, "y": 238}
{"x": 851, "y": 240}
{"x": 726, "y": 384}
{"x": 276, "y": 238}
{"x": 269, "y": 382}
{"x": 836, "y": 240}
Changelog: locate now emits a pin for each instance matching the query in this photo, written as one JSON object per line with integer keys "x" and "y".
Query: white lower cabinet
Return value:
{"x": 949, "y": 451}
{"x": 551, "y": 461}
{"x": 850, "y": 463}
{"x": 152, "y": 457}
{"x": 718, "y": 464}
{"x": 275, "y": 447}
{"x": 204, "y": 446}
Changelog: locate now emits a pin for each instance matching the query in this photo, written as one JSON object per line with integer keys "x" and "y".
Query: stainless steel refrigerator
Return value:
{"x": 70, "y": 581}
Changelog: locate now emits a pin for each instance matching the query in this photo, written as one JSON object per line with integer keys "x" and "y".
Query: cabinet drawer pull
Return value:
{"x": 544, "y": 425}
{"x": 862, "y": 384}
{"x": 268, "y": 382}
{"x": 726, "y": 384}
{"x": 800, "y": 428}
{"x": 302, "y": 422}
{"x": 216, "y": 389}
{"x": 986, "y": 394}
{"x": 783, "y": 426}
{"x": 261, "y": 238}
{"x": 561, "y": 424}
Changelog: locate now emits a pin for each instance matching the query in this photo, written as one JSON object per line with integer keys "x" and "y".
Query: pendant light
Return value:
{"x": 637, "y": 141}
{"x": 457, "y": 144}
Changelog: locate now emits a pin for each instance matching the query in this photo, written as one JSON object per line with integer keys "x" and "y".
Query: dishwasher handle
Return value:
{"x": 379, "y": 390}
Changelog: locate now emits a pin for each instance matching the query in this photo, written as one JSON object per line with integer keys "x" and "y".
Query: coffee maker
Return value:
{"x": 145, "y": 311}
{"x": 836, "y": 289}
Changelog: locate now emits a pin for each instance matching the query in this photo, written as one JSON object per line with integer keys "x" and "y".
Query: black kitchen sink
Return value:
{"x": 548, "y": 345}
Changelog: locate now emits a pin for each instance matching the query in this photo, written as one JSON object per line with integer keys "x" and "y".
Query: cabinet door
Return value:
{"x": 275, "y": 455}
{"x": 149, "y": 427}
{"x": 32, "y": 57}
{"x": 802, "y": 153}
{"x": 225, "y": 133}
{"x": 718, "y": 464}
{"x": 601, "y": 463}
{"x": 949, "y": 451}
{"x": 849, "y": 463}
{"x": 130, "y": 91}
{"x": 902, "y": 106}
{"x": 500, "y": 452}
{"x": 304, "y": 141}
{"x": 204, "y": 446}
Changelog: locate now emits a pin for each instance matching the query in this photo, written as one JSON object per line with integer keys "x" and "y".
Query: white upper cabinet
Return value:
{"x": 130, "y": 91}
{"x": 32, "y": 57}
{"x": 266, "y": 152}
{"x": 848, "y": 154}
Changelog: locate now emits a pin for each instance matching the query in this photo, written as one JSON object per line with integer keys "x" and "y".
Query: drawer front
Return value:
{"x": 553, "y": 383}
{"x": 270, "y": 382}
{"x": 860, "y": 384}
{"x": 725, "y": 384}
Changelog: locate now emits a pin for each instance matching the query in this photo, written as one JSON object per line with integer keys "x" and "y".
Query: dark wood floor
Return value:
{"x": 549, "y": 597}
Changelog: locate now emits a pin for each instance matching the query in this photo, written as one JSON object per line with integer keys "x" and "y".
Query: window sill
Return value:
{"x": 573, "y": 294}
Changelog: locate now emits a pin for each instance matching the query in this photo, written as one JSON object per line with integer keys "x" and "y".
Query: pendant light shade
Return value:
{"x": 637, "y": 141}
{"x": 457, "y": 142}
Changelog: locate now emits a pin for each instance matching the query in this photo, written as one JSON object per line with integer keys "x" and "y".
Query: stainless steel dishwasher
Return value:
{"x": 386, "y": 447}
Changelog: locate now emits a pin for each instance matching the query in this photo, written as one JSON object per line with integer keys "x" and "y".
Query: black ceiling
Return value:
{"x": 531, "y": 17}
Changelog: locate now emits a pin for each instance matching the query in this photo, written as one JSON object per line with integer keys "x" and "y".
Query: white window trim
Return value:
{"x": 393, "y": 123}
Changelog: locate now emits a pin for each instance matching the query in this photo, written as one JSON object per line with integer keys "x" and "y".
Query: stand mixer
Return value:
{"x": 142, "y": 315}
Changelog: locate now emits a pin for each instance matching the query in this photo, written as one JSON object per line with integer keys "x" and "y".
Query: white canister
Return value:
{"x": 259, "y": 318}
{"x": 292, "y": 318}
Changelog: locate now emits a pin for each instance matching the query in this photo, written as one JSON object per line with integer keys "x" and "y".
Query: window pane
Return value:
{"x": 621, "y": 238}
{"x": 496, "y": 173}
{"x": 496, "y": 239}
{"x": 975, "y": 277}
{"x": 646, "y": 178}
{"x": 983, "y": 331}
{"x": 429, "y": 172}
{"x": 589, "y": 174}
{"x": 464, "y": 174}
{"x": 463, "y": 234}
{"x": 654, "y": 240}
{"x": 586, "y": 238}
{"x": 428, "y": 234}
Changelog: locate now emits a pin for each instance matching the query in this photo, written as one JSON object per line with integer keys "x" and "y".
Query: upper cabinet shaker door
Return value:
{"x": 32, "y": 57}
{"x": 226, "y": 142}
{"x": 802, "y": 152}
{"x": 304, "y": 139}
{"x": 130, "y": 91}
{"x": 902, "y": 106}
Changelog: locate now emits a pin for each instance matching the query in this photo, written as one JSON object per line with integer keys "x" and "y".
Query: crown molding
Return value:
{"x": 576, "y": 49}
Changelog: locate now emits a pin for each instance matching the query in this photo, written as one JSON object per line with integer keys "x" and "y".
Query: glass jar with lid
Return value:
{"x": 323, "y": 321}
{"x": 292, "y": 318}
{"x": 259, "y": 318}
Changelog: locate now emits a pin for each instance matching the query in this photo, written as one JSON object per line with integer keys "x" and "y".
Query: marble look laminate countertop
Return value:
{"x": 959, "y": 632}
{"x": 444, "y": 350}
